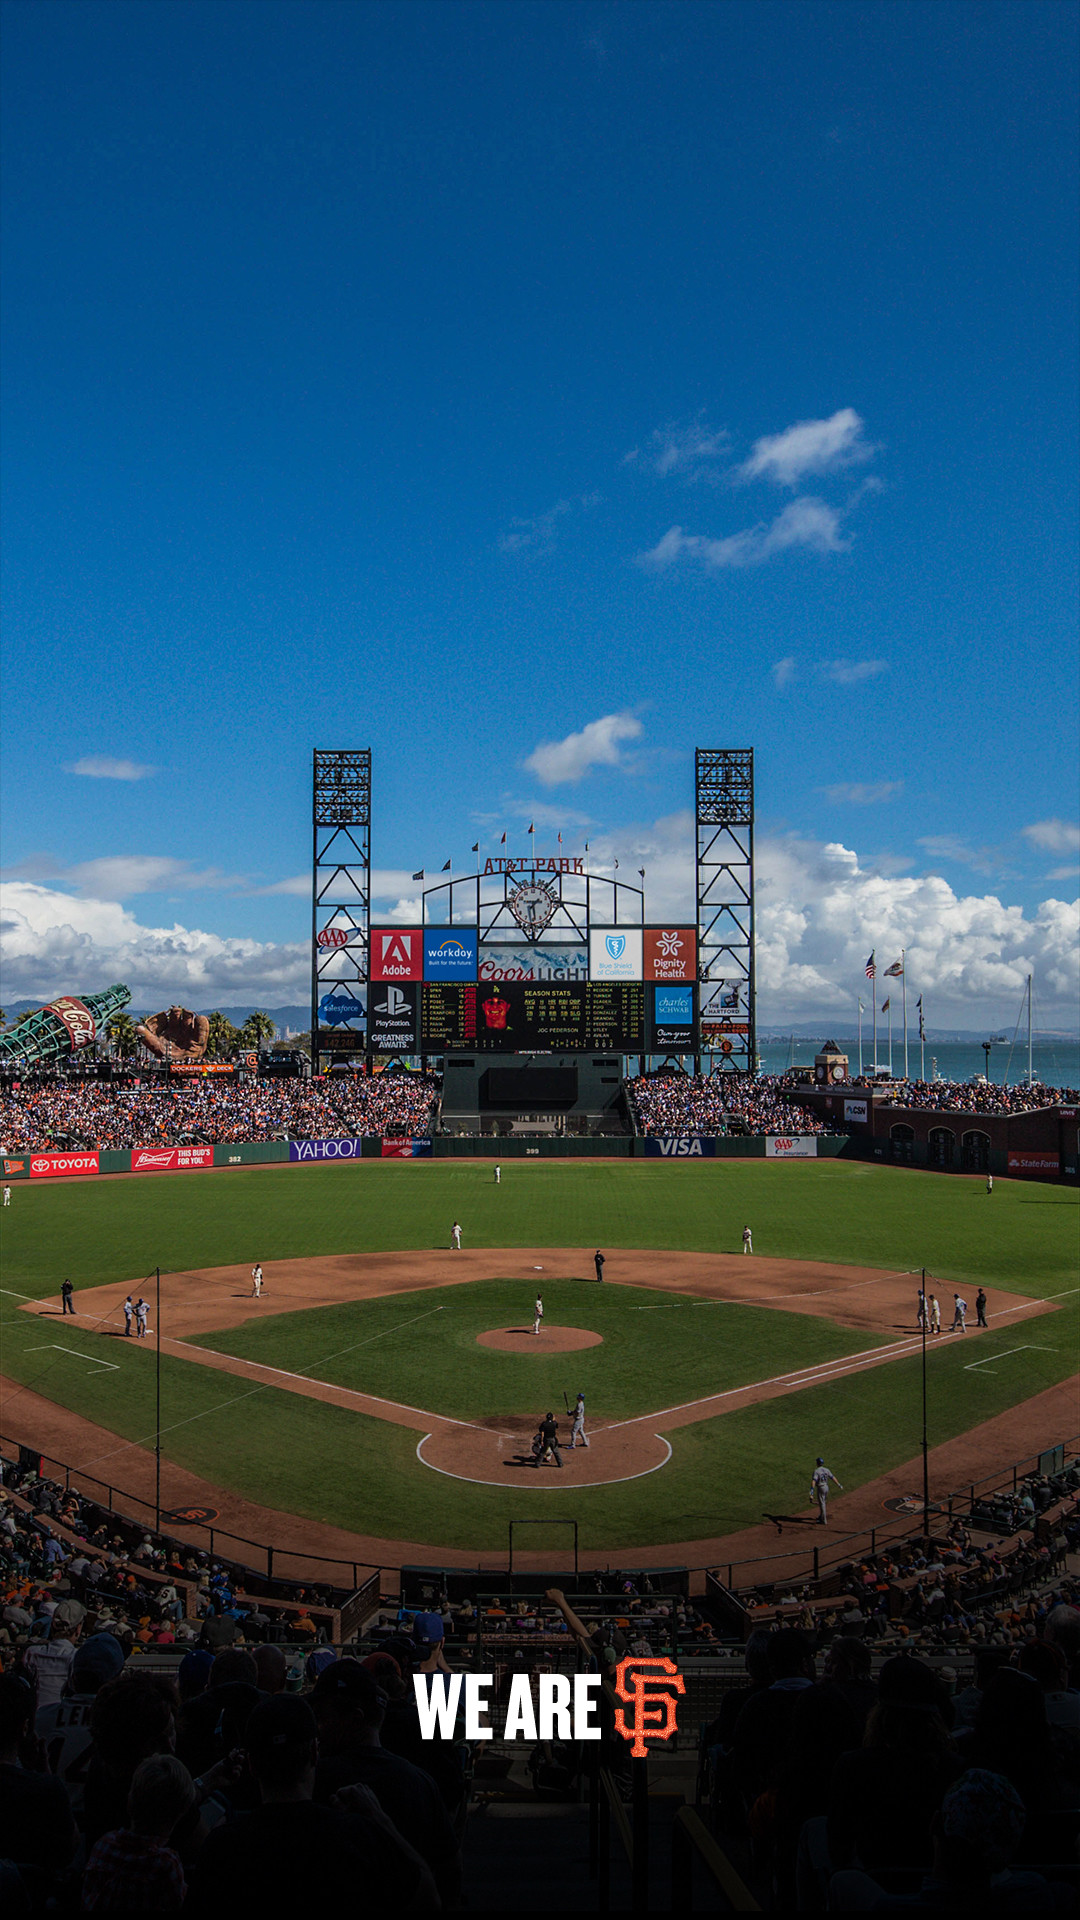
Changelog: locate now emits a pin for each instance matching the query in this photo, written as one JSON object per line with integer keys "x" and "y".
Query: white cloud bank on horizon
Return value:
{"x": 558, "y": 762}
{"x": 820, "y": 912}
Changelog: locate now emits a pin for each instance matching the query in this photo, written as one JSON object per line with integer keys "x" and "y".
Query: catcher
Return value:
{"x": 176, "y": 1034}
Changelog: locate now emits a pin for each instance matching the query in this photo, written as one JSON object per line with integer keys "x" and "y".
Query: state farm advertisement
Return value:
{"x": 45, "y": 1166}
{"x": 170, "y": 1159}
{"x": 1034, "y": 1162}
{"x": 781, "y": 1148}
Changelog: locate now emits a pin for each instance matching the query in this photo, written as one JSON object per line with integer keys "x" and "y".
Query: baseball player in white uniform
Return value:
{"x": 959, "y": 1318}
{"x": 819, "y": 1488}
{"x": 7, "y": 1196}
{"x": 747, "y": 1240}
{"x": 498, "y": 1176}
{"x": 577, "y": 1431}
{"x": 256, "y": 1280}
{"x": 935, "y": 1314}
{"x": 539, "y": 1314}
{"x": 455, "y": 1237}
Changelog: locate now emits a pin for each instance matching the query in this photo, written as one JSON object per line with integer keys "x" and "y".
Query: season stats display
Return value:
{"x": 522, "y": 1017}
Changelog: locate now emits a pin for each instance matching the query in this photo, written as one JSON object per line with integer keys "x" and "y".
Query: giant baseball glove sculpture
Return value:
{"x": 177, "y": 1034}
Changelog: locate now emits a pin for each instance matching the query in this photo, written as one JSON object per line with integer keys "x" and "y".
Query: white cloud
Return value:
{"x": 555, "y": 762}
{"x": 101, "y": 766}
{"x": 1056, "y": 836}
{"x": 848, "y": 673}
{"x": 783, "y": 672}
{"x": 57, "y": 943}
{"x": 119, "y": 876}
{"x": 860, "y": 793}
{"x": 806, "y": 522}
{"x": 538, "y": 534}
{"x": 1064, "y": 873}
{"x": 690, "y": 451}
{"x": 811, "y": 446}
{"x": 950, "y": 846}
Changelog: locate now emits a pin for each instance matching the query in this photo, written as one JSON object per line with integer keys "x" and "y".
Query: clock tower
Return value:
{"x": 830, "y": 1065}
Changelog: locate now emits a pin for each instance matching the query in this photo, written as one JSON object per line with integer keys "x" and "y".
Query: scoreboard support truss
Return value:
{"x": 724, "y": 816}
{"x": 341, "y": 879}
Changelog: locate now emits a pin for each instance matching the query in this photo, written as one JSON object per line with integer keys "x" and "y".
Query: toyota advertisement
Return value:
{"x": 46, "y": 1166}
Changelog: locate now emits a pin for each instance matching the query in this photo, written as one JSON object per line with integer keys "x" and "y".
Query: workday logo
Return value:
{"x": 450, "y": 953}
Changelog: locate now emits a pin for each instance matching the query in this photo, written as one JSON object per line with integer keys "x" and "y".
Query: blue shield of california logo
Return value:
{"x": 616, "y": 945}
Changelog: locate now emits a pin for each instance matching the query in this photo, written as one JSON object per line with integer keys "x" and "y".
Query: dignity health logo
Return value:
{"x": 564, "y": 1709}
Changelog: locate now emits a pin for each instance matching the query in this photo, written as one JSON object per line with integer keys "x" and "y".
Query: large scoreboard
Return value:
{"x": 523, "y": 1017}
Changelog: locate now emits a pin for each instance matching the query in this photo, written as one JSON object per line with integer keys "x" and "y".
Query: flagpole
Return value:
{"x": 874, "y": 992}
{"x": 889, "y": 1004}
{"x": 860, "y": 1038}
{"x": 903, "y": 963}
{"x": 922, "y": 1040}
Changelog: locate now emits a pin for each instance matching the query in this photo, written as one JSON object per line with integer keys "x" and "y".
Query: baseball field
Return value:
{"x": 384, "y": 1388}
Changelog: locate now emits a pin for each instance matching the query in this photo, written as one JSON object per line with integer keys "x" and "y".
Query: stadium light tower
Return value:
{"x": 724, "y": 813}
{"x": 340, "y": 897}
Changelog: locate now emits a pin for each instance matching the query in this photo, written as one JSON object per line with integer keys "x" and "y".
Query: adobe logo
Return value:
{"x": 397, "y": 953}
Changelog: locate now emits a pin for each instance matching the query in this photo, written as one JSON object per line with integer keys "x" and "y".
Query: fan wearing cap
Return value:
{"x": 64, "y": 1724}
{"x": 349, "y": 1708}
{"x": 49, "y": 1662}
{"x": 291, "y": 1854}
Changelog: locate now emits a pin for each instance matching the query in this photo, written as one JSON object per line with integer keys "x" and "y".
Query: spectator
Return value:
{"x": 49, "y": 1662}
{"x": 883, "y": 1796}
{"x": 132, "y": 1718}
{"x": 134, "y": 1870}
{"x": 64, "y": 1726}
{"x": 349, "y": 1712}
{"x": 36, "y": 1823}
{"x": 290, "y": 1854}
{"x": 761, "y": 1730}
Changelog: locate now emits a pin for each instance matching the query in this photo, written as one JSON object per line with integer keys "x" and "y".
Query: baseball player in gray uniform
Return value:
{"x": 819, "y": 1488}
{"x": 577, "y": 1430}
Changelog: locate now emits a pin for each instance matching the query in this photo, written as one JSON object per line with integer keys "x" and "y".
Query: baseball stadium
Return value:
{"x": 522, "y": 1326}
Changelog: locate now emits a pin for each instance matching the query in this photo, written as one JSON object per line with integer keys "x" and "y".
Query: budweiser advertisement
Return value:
{"x": 44, "y": 1166}
{"x": 170, "y": 1159}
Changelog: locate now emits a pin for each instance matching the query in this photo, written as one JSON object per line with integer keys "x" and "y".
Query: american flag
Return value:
{"x": 871, "y": 970}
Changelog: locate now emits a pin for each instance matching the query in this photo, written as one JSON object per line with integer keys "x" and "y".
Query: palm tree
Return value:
{"x": 121, "y": 1035}
{"x": 257, "y": 1029}
{"x": 224, "y": 1038}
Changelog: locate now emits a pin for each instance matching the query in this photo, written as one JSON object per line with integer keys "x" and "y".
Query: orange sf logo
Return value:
{"x": 638, "y": 1680}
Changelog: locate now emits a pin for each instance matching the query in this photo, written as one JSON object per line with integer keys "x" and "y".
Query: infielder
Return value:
{"x": 539, "y": 1314}
{"x": 498, "y": 1176}
{"x": 455, "y": 1237}
{"x": 141, "y": 1312}
{"x": 819, "y": 1488}
{"x": 577, "y": 1431}
{"x": 129, "y": 1315}
{"x": 256, "y": 1281}
{"x": 747, "y": 1240}
{"x": 935, "y": 1314}
{"x": 959, "y": 1318}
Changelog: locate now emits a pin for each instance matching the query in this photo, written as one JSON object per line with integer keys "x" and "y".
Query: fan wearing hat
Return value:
{"x": 290, "y": 1853}
{"x": 49, "y": 1662}
{"x": 350, "y": 1708}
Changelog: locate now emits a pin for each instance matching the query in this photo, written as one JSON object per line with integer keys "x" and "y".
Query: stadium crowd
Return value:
{"x": 154, "y": 1763}
{"x": 91, "y": 1113}
{"x": 717, "y": 1104}
{"x": 976, "y": 1096}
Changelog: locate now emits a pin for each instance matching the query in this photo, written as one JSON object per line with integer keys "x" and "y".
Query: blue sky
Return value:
{"x": 460, "y": 379}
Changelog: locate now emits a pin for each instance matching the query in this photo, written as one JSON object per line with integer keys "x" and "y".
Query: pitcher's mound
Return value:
{"x": 548, "y": 1340}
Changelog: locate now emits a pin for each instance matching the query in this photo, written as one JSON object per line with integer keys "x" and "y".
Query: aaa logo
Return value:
{"x": 638, "y": 1681}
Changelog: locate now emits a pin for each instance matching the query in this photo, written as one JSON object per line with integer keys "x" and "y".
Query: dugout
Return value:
{"x": 526, "y": 1094}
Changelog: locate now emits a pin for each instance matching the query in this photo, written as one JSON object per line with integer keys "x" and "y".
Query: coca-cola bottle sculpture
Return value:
{"x": 53, "y": 1035}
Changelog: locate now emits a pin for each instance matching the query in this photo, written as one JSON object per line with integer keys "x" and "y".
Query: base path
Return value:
{"x": 98, "y": 1456}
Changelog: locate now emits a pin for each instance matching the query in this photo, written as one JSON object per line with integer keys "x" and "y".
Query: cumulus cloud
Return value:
{"x": 557, "y": 762}
{"x": 101, "y": 766}
{"x": 821, "y": 909}
{"x": 848, "y": 673}
{"x": 806, "y": 522}
{"x": 811, "y": 446}
{"x": 859, "y": 793}
{"x": 1055, "y": 836}
{"x": 690, "y": 452}
{"x": 59, "y": 943}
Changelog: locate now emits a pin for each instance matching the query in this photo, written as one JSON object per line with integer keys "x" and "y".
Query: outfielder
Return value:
{"x": 577, "y": 1431}
{"x": 7, "y": 1196}
{"x": 498, "y": 1176}
{"x": 539, "y": 1314}
{"x": 819, "y": 1488}
{"x": 747, "y": 1240}
{"x": 455, "y": 1237}
{"x": 256, "y": 1280}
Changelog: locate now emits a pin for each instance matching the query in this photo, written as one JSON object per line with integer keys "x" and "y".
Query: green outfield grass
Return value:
{"x": 420, "y": 1349}
{"x": 303, "y": 1456}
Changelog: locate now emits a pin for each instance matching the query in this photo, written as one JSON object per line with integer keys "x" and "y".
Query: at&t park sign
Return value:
{"x": 571, "y": 863}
